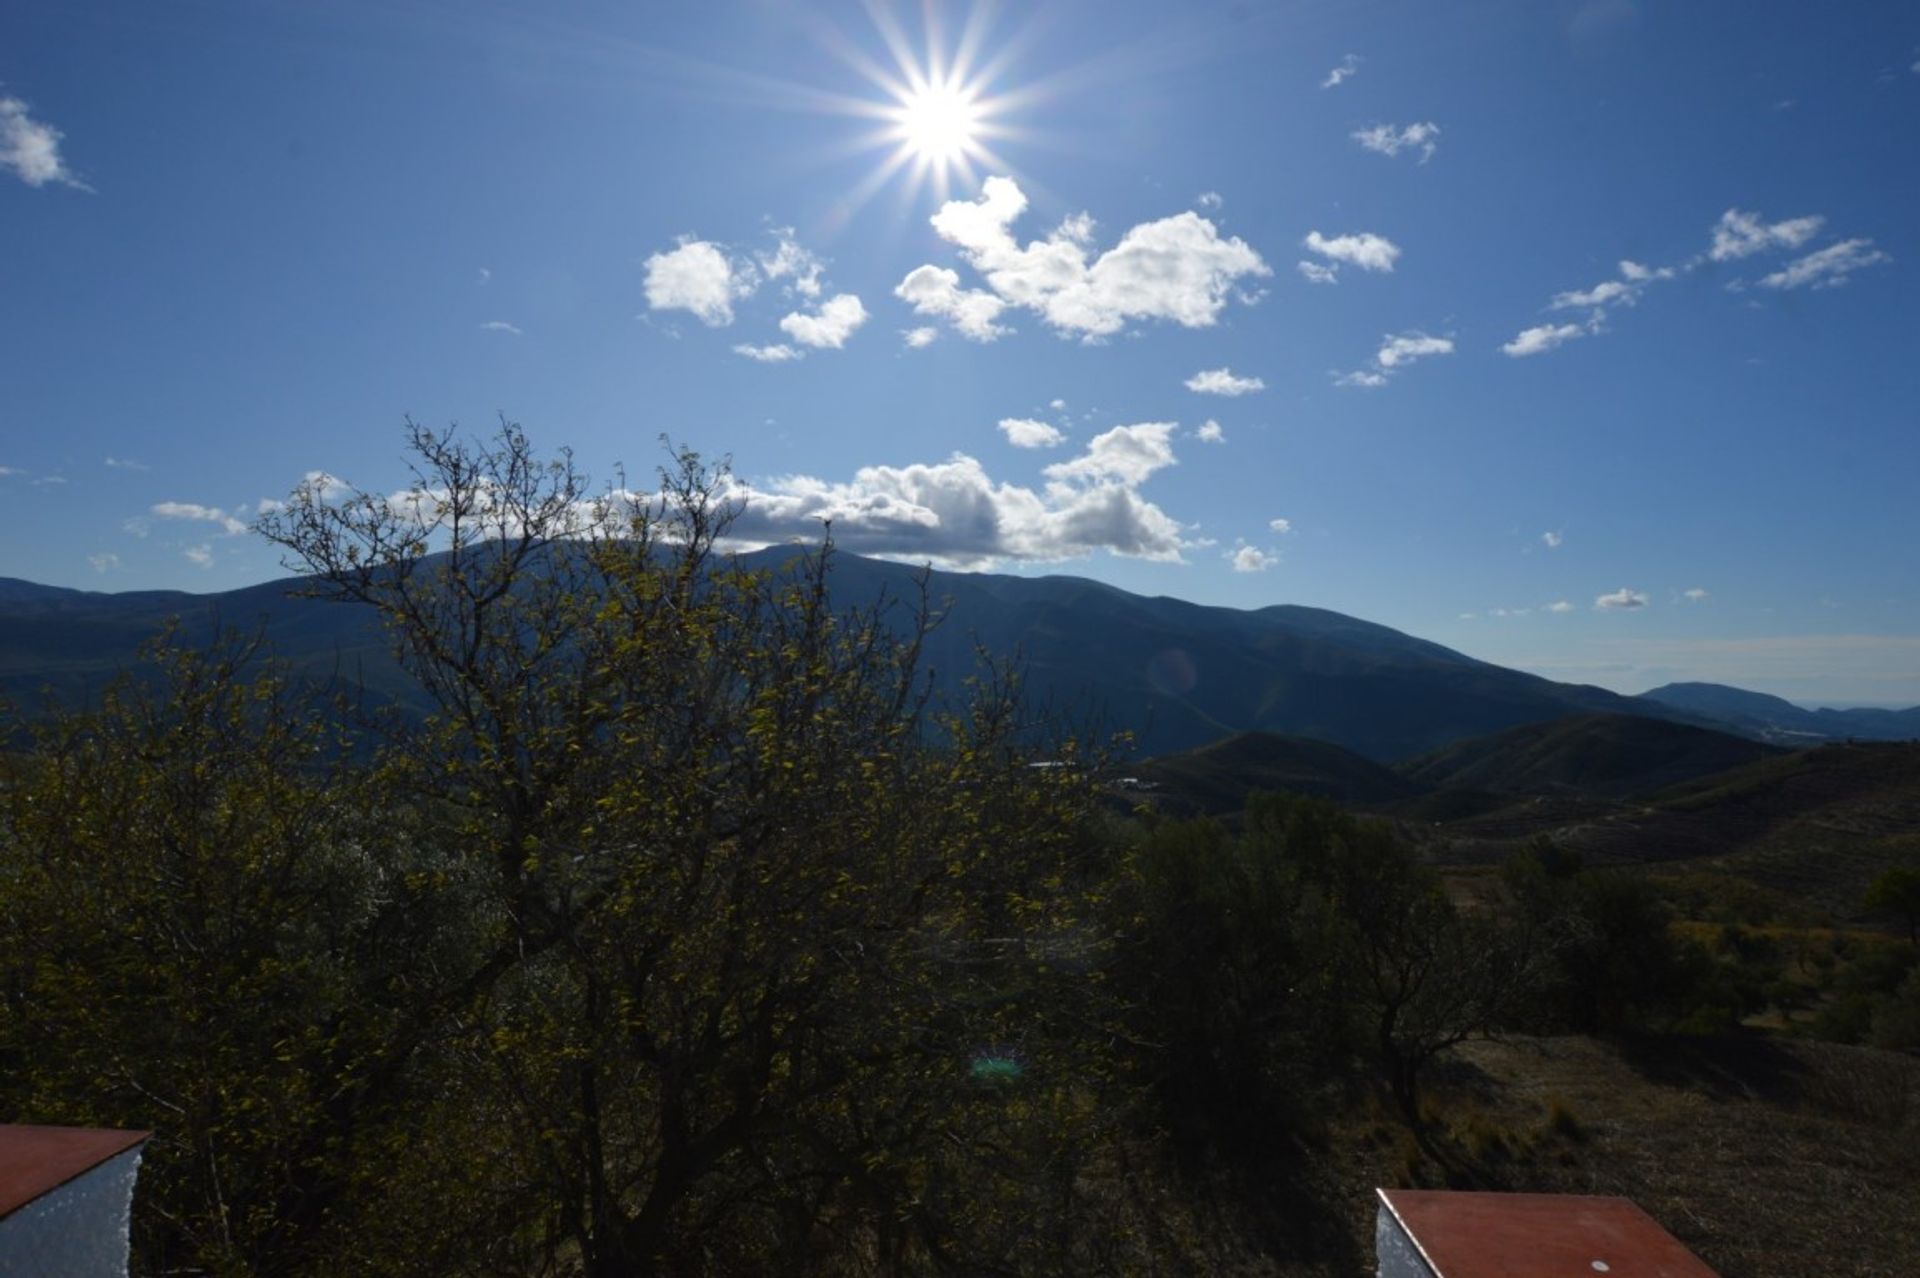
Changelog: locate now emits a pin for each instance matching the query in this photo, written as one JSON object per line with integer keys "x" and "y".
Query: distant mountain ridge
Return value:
{"x": 1775, "y": 719}
{"x": 1176, "y": 674}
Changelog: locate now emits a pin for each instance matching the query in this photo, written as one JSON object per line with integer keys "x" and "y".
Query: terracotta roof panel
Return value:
{"x": 37, "y": 1160}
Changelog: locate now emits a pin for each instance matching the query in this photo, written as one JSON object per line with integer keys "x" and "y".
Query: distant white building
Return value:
{"x": 1426, "y": 1233}
{"x": 66, "y": 1199}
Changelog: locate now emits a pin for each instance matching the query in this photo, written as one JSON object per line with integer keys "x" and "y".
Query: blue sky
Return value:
{"x": 1578, "y": 336}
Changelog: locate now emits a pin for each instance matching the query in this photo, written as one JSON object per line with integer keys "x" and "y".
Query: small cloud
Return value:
{"x": 1209, "y": 432}
{"x": 1349, "y": 65}
{"x": 1829, "y": 267}
{"x": 777, "y": 353}
{"x": 829, "y": 327}
{"x": 50, "y": 481}
{"x": 1637, "y": 273}
{"x": 1605, "y": 293}
{"x": 1221, "y": 381}
{"x": 486, "y": 277}
{"x": 1387, "y": 139}
{"x": 1738, "y": 234}
{"x": 935, "y": 290}
{"x": 1126, "y": 455}
{"x": 1541, "y": 338}
{"x": 125, "y": 463}
{"x": 500, "y": 326}
{"x": 1023, "y": 432}
{"x": 1281, "y": 526}
{"x": 698, "y": 277}
{"x": 9, "y": 471}
{"x": 1559, "y": 605}
{"x": 1694, "y": 595}
{"x": 916, "y": 338}
{"x": 790, "y": 261}
{"x": 1057, "y": 405}
{"x": 1551, "y": 540}
{"x": 1178, "y": 269}
{"x": 1363, "y": 249}
{"x": 1401, "y": 349}
{"x": 137, "y": 526}
{"x": 1245, "y": 558}
{"x": 1318, "y": 274}
{"x": 30, "y": 148}
{"x": 1209, "y": 200}
{"x": 1622, "y": 598}
{"x": 1363, "y": 378}
{"x": 104, "y": 562}
{"x": 201, "y": 555}
{"x": 195, "y": 511}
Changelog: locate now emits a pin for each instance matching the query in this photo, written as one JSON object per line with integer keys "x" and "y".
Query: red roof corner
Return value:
{"x": 37, "y": 1160}
{"x": 1480, "y": 1235}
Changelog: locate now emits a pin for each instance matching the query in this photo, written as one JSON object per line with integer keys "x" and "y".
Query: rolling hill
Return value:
{"x": 1612, "y": 755}
{"x": 1216, "y": 779}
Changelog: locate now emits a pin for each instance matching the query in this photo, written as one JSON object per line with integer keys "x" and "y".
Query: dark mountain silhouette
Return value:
{"x": 1610, "y": 754}
{"x": 1176, "y": 674}
{"x": 1216, "y": 779}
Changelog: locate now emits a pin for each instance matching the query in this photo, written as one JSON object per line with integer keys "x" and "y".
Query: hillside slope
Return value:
{"x": 1612, "y": 755}
{"x": 1175, "y": 674}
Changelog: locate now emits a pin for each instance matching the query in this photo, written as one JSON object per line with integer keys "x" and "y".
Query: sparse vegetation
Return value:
{"x": 695, "y": 932}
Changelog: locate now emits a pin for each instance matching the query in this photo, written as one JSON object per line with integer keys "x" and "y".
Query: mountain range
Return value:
{"x": 1176, "y": 675}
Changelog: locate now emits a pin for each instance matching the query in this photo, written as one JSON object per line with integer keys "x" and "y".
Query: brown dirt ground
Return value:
{"x": 1770, "y": 1158}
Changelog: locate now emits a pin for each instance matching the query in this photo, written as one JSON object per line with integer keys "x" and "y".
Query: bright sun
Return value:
{"x": 939, "y": 117}
{"x": 939, "y": 123}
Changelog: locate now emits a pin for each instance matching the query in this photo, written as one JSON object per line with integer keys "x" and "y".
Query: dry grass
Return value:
{"x": 1771, "y": 1159}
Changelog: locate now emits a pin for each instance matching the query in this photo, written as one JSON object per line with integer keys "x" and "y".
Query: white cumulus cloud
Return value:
{"x": 789, "y": 260}
{"x": 1178, "y": 269}
{"x": 1209, "y": 432}
{"x": 935, "y": 290}
{"x": 1622, "y": 598}
{"x": 1024, "y": 432}
{"x": 1404, "y": 348}
{"x": 1694, "y": 595}
{"x": 953, "y": 513}
{"x": 916, "y": 338}
{"x": 1829, "y": 267}
{"x": 772, "y": 353}
{"x": 30, "y": 148}
{"x": 1363, "y": 249}
{"x": 1560, "y": 605}
{"x": 699, "y": 277}
{"x": 1605, "y": 293}
{"x": 1245, "y": 558}
{"x": 1388, "y": 139}
{"x": 1541, "y": 338}
{"x": 195, "y": 511}
{"x": 200, "y": 556}
{"x": 1125, "y": 455}
{"x": 1739, "y": 234}
{"x": 1348, "y": 68}
{"x": 1221, "y": 381}
{"x": 829, "y": 326}
{"x": 1281, "y": 526}
{"x": 1317, "y": 273}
